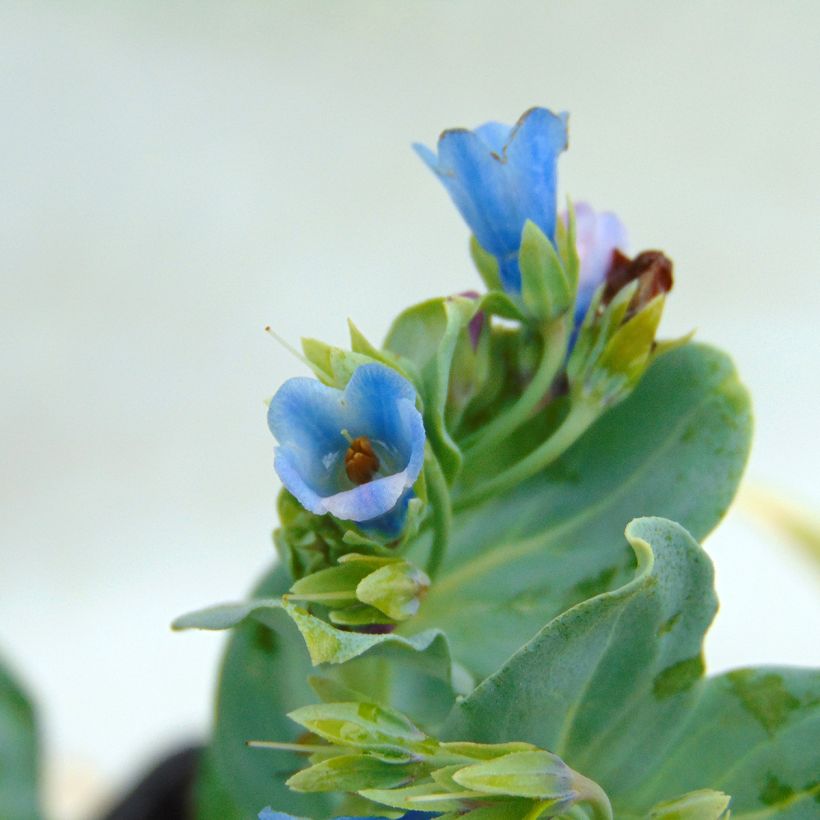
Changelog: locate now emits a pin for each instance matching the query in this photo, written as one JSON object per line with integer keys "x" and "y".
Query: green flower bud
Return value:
{"x": 379, "y": 754}
{"x": 363, "y": 590}
{"x": 704, "y": 804}
{"x": 617, "y": 339}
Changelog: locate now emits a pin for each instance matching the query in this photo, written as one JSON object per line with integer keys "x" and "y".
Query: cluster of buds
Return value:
{"x": 616, "y": 341}
{"x": 383, "y": 757}
{"x": 364, "y": 591}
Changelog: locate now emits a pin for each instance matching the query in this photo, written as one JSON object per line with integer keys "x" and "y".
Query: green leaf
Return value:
{"x": 676, "y": 447}
{"x": 18, "y": 753}
{"x": 425, "y": 337}
{"x": 265, "y": 675}
{"x": 621, "y": 674}
{"x": 545, "y": 289}
{"x": 325, "y": 643}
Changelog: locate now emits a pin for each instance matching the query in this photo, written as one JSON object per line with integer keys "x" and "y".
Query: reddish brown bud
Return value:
{"x": 651, "y": 269}
{"x": 361, "y": 463}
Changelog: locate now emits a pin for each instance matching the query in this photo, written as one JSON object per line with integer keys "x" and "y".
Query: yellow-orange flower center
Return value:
{"x": 361, "y": 463}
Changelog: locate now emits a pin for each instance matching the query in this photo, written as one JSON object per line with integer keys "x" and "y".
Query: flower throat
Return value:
{"x": 361, "y": 462}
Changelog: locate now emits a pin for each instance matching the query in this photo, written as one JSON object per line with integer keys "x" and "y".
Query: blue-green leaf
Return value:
{"x": 676, "y": 447}
{"x": 424, "y": 337}
{"x": 614, "y": 687}
{"x": 18, "y": 753}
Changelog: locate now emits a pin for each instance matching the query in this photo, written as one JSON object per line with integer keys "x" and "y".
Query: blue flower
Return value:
{"x": 597, "y": 236}
{"x": 353, "y": 453}
{"x": 499, "y": 177}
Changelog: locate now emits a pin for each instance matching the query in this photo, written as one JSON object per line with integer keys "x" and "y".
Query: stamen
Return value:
{"x": 361, "y": 463}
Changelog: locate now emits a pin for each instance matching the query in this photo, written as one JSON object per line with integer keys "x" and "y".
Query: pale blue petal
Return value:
{"x": 495, "y": 135}
{"x": 477, "y": 181}
{"x": 499, "y": 177}
{"x": 532, "y": 154}
{"x": 291, "y": 469}
{"x": 427, "y": 156}
{"x": 371, "y": 398}
{"x": 367, "y": 501}
{"x": 311, "y": 422}
{"x": 598, "y": 235}
{"x": 306, "y": 414}
{"x": 391, "y": 523}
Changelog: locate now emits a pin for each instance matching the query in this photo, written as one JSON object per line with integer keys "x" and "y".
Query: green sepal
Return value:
{"x": 361, "y": 345}
{"x": 498, "y": 303}
{"x": 502, "y": 811}
{"x": 627, "y": 353}
{"x": 341, "y": 579}
{"x": 366, "y": 726}
{"x": 567, "y": 247}
{"x": 331, "y": 690}
{"x": 703, "y": 804}
{"x": 538, "y": 775}
{"x": 332, "y": 365}
{"x": 428, "y": 796}
{"x": 307, "y": 543}
{"x": 360, "y": 615}
{"x": 485, "y": 751}
{"x": 350, "y": 773}
{"x": 486, "y": 264}
{"x": 545, "y": 289}
{"x": 396, "y": 589}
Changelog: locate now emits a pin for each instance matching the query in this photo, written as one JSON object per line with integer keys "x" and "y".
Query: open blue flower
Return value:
{"x": 499, "y": 177}
{"x": 598, "y": 234}
{"x": 353, "y": 453}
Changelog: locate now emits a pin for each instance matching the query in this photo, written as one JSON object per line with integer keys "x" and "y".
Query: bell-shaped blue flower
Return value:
{"x": 598, "y": 234}
{"x": 499, "y": 177}
{"x": 353, "y": 453}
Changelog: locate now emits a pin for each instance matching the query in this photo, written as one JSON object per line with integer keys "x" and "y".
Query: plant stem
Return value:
{"x": 441, "y": 506}
{"x": 554, "y": 339}
{"x": 574, "y": 425}
{"x": 594, "y": 796}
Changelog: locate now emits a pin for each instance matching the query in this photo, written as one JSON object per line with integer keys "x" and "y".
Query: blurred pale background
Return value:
{"x": 177, "y": 175}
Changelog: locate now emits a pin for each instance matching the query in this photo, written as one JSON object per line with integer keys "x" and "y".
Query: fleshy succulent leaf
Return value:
{"x": 622, "y": 673}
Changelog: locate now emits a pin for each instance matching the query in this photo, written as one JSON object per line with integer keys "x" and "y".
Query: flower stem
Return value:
{"x": 574, "y": 425}
{"x": 590, "y": 793}
{"x": 440, "y": 504}
{"x": 554, "y": 338}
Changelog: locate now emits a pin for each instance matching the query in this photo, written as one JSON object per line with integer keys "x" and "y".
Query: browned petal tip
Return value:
{"x": 651, "y": 269}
